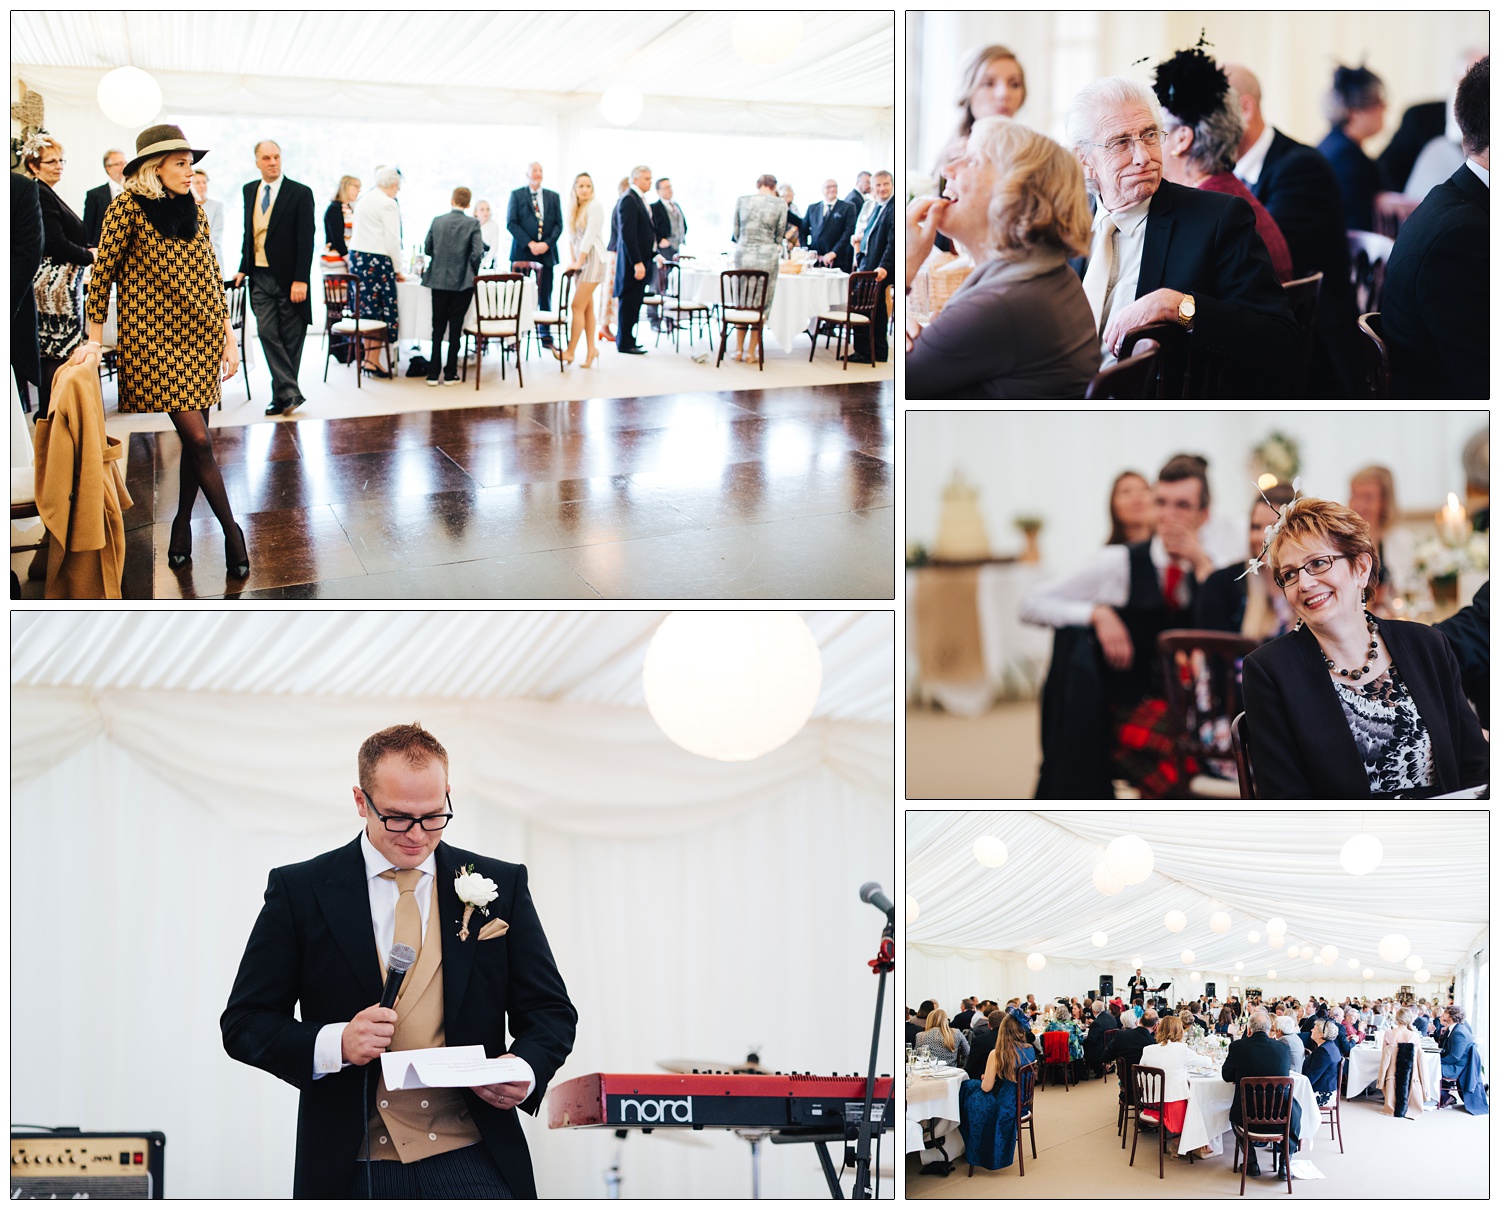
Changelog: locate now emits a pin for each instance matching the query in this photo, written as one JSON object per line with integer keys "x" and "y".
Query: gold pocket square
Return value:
{"x": 495, "y": 928}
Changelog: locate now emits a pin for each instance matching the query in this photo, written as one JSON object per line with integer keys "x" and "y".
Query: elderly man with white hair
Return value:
{"x": 1166, "y": 253}
{"x": 1093, "y": 1045}
{"x": 1284, "y": 1030}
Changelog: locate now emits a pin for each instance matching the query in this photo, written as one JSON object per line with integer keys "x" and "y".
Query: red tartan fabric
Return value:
{"x": 1144, "y": 751}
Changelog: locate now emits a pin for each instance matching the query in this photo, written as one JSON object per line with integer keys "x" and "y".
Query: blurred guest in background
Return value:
{"x": 794, "y": 221}
{"x": 96, "y": 201}
{"x": 992, "y": 85}
{"x": 585, "y": 226}
{"x": 489, "y": 230}
{"x": 830, "y": 223}
{"x": 454, "y": 251}
{"x": 1356, "y": 107}
{"x": 214, "y": 212}
{"x": 1244, "y": 604}
{"x": 65, "y": 253}
{"x": 338, "y": 220}
{"x": 759, "y": 225}
{"x": 375, "y": 259}
{"x": 1132, "y": 510}
{"x": 1372, "y": 494}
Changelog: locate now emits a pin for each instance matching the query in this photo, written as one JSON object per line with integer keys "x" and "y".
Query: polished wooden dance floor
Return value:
{"x": 774, "y": 494}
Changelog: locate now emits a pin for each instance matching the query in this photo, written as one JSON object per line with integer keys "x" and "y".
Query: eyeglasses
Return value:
{"x": 50, "y": 163}
{"x": 1313, "y": 567}
{"x": 403, "y": 823}
{"x": 1122, "y": 145}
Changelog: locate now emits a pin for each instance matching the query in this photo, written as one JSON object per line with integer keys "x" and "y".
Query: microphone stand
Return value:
{"x": 882, "y": 964}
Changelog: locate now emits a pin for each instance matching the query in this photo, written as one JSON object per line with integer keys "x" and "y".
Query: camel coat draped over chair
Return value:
{"x": 80, "y": 491}
{"x": 1419, "y": 1092}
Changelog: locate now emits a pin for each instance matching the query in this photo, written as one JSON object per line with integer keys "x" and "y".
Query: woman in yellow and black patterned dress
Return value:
{"x": 176, "y": 344}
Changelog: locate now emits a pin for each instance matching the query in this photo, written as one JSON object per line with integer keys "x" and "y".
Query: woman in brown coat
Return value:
{"x": 1408, "y": 1101}
{"x": 176, "y": 344}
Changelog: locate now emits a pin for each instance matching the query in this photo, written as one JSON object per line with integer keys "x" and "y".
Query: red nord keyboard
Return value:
{"x": 788, "y": 1103}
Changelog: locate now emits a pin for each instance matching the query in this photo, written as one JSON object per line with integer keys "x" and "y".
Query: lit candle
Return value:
{"x": 1452, "y": 522}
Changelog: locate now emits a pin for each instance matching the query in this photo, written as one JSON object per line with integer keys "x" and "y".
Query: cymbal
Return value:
{"x": 686, "y": 1067}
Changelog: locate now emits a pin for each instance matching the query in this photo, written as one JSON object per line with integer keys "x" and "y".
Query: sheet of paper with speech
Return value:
{"x": 448, "y": 1067}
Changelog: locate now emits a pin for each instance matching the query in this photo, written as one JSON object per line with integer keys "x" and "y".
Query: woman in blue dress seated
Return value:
{"x": 988, "y": 1106}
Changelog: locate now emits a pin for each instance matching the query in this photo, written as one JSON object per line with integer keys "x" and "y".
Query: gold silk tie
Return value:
{"x": 408, "y": 914}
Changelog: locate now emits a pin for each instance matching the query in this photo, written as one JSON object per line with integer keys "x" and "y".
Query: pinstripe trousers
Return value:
{"x": 467, "y": 1172}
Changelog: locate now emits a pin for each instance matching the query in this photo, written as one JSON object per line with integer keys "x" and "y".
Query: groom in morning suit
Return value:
{"x": 534, "y": 220}
{"x": 634, "y": 240}
{"x": 319, "y": 944}
{"x": 277, "y": 258}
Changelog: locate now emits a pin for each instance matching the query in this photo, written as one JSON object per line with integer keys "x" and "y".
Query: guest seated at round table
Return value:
{"x": 1284, "y": 1030}
{"x": 1345, "y": 707}
{"x": 1224, "y": 1027}
{"x": 1201, "y": 141}
{"x": 1405, "y": 1088}
{"x": 1321, "y": 1066}
{"x": 1019, "y": 327}
{"x": 1063, "y": 1019}
{"x": 985, "y": 1032}
{"x": 1233, "y": 601}
{"x": 1462, "y": 1062}
{"x": 1356, "y": 107}
{"x": 943, "y": 1042}
{"x": 988, "y": 1105}
{"x": 1170, "y": 1053}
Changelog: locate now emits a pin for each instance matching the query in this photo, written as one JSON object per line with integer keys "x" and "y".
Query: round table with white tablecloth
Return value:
{"x": 932, "y": 1097}
{"x": 799, "y": 296}
{"x": 1364, "y": 1069}
{"x": 1210, "y": 1098}
{"x": 414, "y": 308}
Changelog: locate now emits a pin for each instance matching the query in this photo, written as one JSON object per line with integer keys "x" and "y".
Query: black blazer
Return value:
{"x": 1204, "y": 244}
{"x": 1128, "y": 1044}
{"x": 289, "y": 238}
{"x": 795, "y": 220}
{"x": 1301, "y": 746}
{"x": 981, "y": 1043}
{"x": 1321, "y": 1067}
{"x": 520, "y": 221}
{"x": 833, "y": 232}
{"x": 856, "y": 201}
{"x": 634, "y": 238}
{"x": 66, "y": 239}
{"x": 1436, "y": 307}
{"x": 879, "y": 250}
{"x": 26, "y": 240}
{"x": 1468, "y": 633}
{"x": 95, "y": 202}
{"x": 313, "y": 948}
{"x": 333, "y": 228}
{"x": 1258, "y": 1054}
{"x": 1420, "y": 124}
{"x": 1359, "y": 179}
{"x": 661, "y": 221}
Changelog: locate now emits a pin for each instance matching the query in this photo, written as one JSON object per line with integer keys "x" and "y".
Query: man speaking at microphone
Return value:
{"x": 321, "y": 941}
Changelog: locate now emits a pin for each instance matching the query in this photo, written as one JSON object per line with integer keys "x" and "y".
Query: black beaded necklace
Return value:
{"x": 1355, "y": 673}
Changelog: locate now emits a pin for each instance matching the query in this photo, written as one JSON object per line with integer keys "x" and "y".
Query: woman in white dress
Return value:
{"x": 585, "y": 221}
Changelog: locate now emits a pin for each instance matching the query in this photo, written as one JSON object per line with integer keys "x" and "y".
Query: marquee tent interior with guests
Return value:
{"x": 574, "y": 158}
{"x": 1031, "y": 535}
{"x": 1197, "y": 204}
{"x": 669, "y": 883}
{"x": 1360, "y": 939}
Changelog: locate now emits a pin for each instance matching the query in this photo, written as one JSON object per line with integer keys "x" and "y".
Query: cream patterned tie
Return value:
{"x": 1103, "y": 274}
{"x": 408, "y": 914}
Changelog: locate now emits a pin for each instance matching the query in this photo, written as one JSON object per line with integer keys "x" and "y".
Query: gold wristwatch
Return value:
{"x": 1186, "y": 309}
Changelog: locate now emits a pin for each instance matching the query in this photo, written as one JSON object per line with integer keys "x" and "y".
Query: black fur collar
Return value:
{"x": 175, "y": 217}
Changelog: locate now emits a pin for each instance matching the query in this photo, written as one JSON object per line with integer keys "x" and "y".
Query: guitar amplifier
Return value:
{"x": 75, "y": 1164}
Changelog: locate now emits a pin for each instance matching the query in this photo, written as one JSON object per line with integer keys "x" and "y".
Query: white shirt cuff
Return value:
{"x": 530, "y": 1075}
{"x": 328, "y": 1050}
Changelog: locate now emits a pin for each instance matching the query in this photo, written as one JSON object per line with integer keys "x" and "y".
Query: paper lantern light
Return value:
{"x": 912, "y": 910}
{"x": 1105, "y": 882}
{"x": 1414, "y": 963}
{"x": 1220, "y": 922}
{"x": 1195, "y": 976}
{"x": 732, "y": 685}
{"x": 1188, "y": 957}
{"x": 1174, "y": 921}
{"x": 1100, "y": 940}
{"x": 621, "y": 104}
{"x": 1239, "y": 966}
{"x": 1422, "y": 977}
{"x": 1368, "y": 973}
{"x": 1318, "y": 961}
{"x": 1306, "y": 952}
{"x": 1136, "y": 961}
{"x": 1329, "y": 953}
{"x": 1276, "y": 927}
{"x": 1393, "y": 948}
{"x": 991, "y": 851}
{"x": 1129, "y": 859}
{"x": 1270, "y": 974}
{"x": 1254, "y": 936}
{"x": 1035, "y": 962}
{"x": 129, "y": 96}
{"x": 1354, "y": 964}
{"x": 1292, "y": 951}
{"x": 765, "y": 38}
{"x": 1361, "y": 854}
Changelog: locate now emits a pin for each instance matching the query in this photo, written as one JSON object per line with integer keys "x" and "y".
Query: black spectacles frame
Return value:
{"x": 1284, "y": 582}
{"x": 392, "y": 822}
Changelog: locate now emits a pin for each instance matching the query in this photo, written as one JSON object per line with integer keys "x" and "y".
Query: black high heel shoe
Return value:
{"x": 238, "y": 571}
{"x": 176, "y": 560}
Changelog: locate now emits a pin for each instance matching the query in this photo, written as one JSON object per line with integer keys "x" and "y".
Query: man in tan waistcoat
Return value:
{"x": 480, "y": 976}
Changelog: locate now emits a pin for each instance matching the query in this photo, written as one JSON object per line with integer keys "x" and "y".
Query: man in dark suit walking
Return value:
{"x": 830, "y": 224}
{"x": 534, "y": 220}
{"x": 277, "y": 258}
{"x": 1258, "y": 1054}
{"x": 96, "y": 201}
{"x": 454, "y": 249}
{"x": 1436, "y": 308}
{"x": 319, "y": 945}
{"x": 877, "y": 254}
{"x": 634, "y": 240}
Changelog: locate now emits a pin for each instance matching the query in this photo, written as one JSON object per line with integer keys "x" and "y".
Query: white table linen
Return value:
{"x": 1209, "y": 1100}
{"x": 1364, "y": 1069}
{"x": 798, "y": 297}
{"x": 414, "y": 308}
{"x": 934, "y": 1099}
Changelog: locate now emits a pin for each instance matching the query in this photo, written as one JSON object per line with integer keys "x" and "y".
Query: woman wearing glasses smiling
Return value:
{"x": 1345, "y": 706}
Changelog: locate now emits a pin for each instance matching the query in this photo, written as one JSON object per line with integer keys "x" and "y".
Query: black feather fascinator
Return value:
{"x": 1190, "y": 85}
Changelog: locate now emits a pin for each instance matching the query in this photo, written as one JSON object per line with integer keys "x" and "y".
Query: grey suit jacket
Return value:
{"x": 454, "y": 249}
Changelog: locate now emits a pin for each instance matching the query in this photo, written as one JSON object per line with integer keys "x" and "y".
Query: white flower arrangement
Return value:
{"x": 1436, "y": 559}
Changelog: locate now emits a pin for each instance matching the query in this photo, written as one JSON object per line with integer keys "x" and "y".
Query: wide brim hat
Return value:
{"x": 155, "y": 140}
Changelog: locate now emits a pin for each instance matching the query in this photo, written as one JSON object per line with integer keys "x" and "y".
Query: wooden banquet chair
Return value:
{"x": 1265, "y": 1117}
{"x": 1184, "y": 369}
{"x": 678, "y": 313}
{"x": 1150, "y": 1087}
{"x": 360, "y": 331}
{"x": 1391, "y": 210}
{"x": 497, "y": 316}
{"x": 1055, "y": 1055}
{"x": 1330, "y": 1112}
{"x": 742, "y": 304}
{"x": 1132, "y": 378}
{"x": 1302, "y": 296}
{"x": 858, "y": 311}
{"x": 1123, "y": 1068}
{"x": 562, "y": 317}
{"x": 1239, "y": 736}
{"x": 1025, "y": 1118}
{"x": 1110, "y": 1063}
{"x": 1375, "y": 357}
{"x": 1368, "y": 254}
{"x": 336, "y": 306}
{"x": 237, "y": 301}
{"x": 1192, "y": 661}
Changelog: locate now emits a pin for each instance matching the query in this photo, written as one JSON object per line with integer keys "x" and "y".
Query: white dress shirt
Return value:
{"x": 1131, "y": 223}
{"x": 377, "y": 226}
{"x": 1479, "y": 170}
{"x": 1248, "y": 167}
{"x": 1070, "y": 601}
{"x": 260, "y": 191}
{"x": 115, "y": 188}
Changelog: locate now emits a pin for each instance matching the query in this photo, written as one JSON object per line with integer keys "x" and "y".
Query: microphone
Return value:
{"x": 397, "y": 963}
{"x": 875, "y": 897}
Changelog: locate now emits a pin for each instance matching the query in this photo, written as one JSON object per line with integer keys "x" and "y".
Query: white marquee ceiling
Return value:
{"x": 845, "y": 58}
{"x": 1432, "y": 886}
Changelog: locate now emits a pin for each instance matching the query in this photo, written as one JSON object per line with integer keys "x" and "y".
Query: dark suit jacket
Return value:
{"x": 879, "y": 248}
{"x": 1204, "y": 244}
{"x": 832, "y": 234}
{"x": 1321, "y": 1067}
{"x": 1093, "y": 1042}
{"x": 26, "y": 244}
{"x": 1220, "y": 602}
{"x": 520, "y": 221}
{"x": 1298, "y": 187}
{"x": 661, "y": 221}
{"x": 1258, "y": 1055}
{"x": 1435, "y": 311}
{"x": 313, "y": 948}
{"x": 66, "y": 239}
{"x": 1128, "y": 1044}
{"x": 793, "y": 219}
{"x": 1468, "y": 634}
{"x": 1456, "y": 1046}
{"x": 333, "y": 228}
{"x": 856, "y": 200}
{"x": 634, "y": 237}
{"x": 1301, "y": 746}
{"x": 455, "y": 248}
{"x": 913, "y": 1028}
{"x": 1359, "y": 179}
{"x": 95, "y": 202}
{"x": 1420, "y": 124}
{"x": 961, "y": 1020}
{"x": 980, "y": 1046}
{"x": 289, "y": 238}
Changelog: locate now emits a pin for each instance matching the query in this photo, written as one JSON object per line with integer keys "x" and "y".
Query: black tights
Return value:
{"x": 198, "y": 469}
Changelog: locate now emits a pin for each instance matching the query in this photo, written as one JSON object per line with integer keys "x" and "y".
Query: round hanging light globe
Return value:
{"x": 1292, "y": 951}
{"x": 1329, "y": 953}
{"x": 1129, "y": 859}
{"x": 621, "y": 104}
{"x": 991, "y": 851}
{"x": 1305, "y": 952}
{"x": 1220, "y": 922}
{"x": 1100, "y": 940}
{"x": 1393, "y": 948}
{"x": 1422, "y": 977}
{"x": 129, "y": 96}
{"x": 1195, "y": 976}
{"x": 1270, "y": 974}
{"x": 1188, "y": 957}
{"x": 765, "y": 38}
{"x": 732, "y": 685}
{"x": 1136, "y": 961}
{"x": 1413, "y": 963}
{"x": 1368, "y": 973}
{"x": 912, "y": 910}
{"x": 1361, "y": 854}
{"x": 1276, "y": 927}
{"x": 1354, "y": 964}
{"x": 1275, "y": 940}
{"x": 1035, "y": 962}
{"x": 1254, "y": 936}
{"x": 1105, "y": 882}
{"x": 1174, "y": 921}
{"x": 1318, "y": 961}
{"x": 1239, "y": 966}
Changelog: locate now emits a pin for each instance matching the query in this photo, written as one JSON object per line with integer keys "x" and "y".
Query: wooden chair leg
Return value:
{"x": 520, "y": 377}
{"x": 1135, "y": 1137}
{"x": 1161, "y": 1144}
